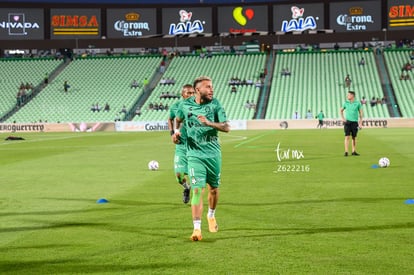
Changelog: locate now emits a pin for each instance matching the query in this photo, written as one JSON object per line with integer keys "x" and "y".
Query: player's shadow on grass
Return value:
{"x": 364, "y": 200}
{"x": 51, "y": 225}
{"x": 294, "y": 231}
{"x": 51, "y": 212}
{"x": 74, "y": 265}
{"x": 117, "y": 202}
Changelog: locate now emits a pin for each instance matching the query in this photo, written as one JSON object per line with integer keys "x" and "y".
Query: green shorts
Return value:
{"x": 180, "y": 160}
{"x": 204, "y": 170}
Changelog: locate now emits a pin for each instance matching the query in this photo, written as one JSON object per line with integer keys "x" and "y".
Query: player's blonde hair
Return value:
{"x": 201, "y": 79}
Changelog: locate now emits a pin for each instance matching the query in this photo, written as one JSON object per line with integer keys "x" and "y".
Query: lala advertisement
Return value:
{"x": 298, "y": 17}
{"x": 182, "y": 21}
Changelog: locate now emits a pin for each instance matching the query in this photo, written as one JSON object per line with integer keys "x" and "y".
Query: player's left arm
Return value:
{"x": 221, "y": 126}
{"x": 220, "y": 120}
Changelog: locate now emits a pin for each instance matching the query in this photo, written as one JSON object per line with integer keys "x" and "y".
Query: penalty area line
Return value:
{"x": 249, "y": 140}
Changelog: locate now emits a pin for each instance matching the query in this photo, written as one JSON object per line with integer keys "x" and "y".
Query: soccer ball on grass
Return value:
{"x": 153, "y": 165}
{"x": 384, "y": 162}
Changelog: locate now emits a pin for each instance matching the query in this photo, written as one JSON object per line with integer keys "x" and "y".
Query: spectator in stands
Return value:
{"x": 384, "y": 100}
{"x": 361, "y": 62}
{"x": 162, "y": 67}
{"x": 363, "y": 100}
{"x": 107, "y": 108}
{"x": 134, "y": 84}
{"x": 296, "y": 115}
{"x": 97, "y": 107}
{"x": 286, "y": 72}
{"x": 19, "y": 100}
{"x": 234, "y": 81}
{"x": 66, "y": 86}
{"x": 247, "y": 105}
{"x": 404, "y": 76}
{"x": 336, "y": 46}
{"x": 145, "y": 82}
{"x": 117, "y": 117}
{"x": 123, "y": 110}
{"x": 161, "y": 107}
{"x": 259, "y": 83}
{"x": 93, "y": 109}
{"x": 138, "y": 111}
{"x": 348, "y": 81}
{"x": 373, "y": 102}
{"x": 407, "y": 67}
{"x": 252, "y": 105}
{"x": 233, "y": 89}
{"x": 379, "y": 102}
{"x": 309, "y": 114}
{"x": 412, "y": 55}
{"x": 46, "y": 79}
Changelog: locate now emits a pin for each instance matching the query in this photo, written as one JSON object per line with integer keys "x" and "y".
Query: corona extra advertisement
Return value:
{"x": 400, "y": 14}
{"x": 131, "y": 23}
{"x": 355, "y": 16}
{"x": 21, "y": 24}
{"x": 298, "y": 18}
{"x": 75, "y": 23}
{"x": 242, "y": 19}
{"x": 181, "y": 21}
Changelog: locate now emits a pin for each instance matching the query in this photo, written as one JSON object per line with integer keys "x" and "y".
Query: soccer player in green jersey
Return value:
{"x": 203, "y": 117}
{"x": 352, "y": 121}
{"x": 320, "y": 118}
{"x": 180, "y": 156}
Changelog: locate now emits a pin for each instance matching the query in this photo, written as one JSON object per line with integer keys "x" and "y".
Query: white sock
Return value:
{"x": 211, "y": 212}
{"x": 197, "y": 224}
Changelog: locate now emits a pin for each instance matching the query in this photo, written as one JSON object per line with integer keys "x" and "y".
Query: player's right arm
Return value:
{"x": 341, "y": 112}
{"x": 179, "y": 119}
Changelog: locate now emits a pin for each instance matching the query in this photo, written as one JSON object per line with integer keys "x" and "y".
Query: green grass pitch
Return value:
{"x": 313, "y": 212}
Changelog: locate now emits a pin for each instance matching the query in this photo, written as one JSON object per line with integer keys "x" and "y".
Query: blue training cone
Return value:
{"x": 409, "y": 201}
{"x": 102, "y": 200}
{"x": 374, "y": 166}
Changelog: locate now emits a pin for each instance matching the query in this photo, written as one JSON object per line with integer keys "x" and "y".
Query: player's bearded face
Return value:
{"x": 205, "y": 89}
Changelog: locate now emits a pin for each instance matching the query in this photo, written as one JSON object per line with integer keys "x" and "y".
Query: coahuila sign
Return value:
{"x": 298, "y": 23}
{"x": 131, "y": 26}
{"x": 355, "y": 20}
{"x": 17, "y": 25}
{"x": 186, "y": 26}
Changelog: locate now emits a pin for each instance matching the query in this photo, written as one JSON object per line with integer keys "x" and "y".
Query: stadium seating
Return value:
{"x": 403, "y": 89}
{"x": 221, "y": 68}
{"x": 92, "y": 80}
{"x": 17, "y": 71}
{"x": 317, "y": 83}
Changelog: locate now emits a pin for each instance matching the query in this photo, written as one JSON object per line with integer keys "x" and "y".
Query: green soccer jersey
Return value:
{"x": 352, "y": 110}
{"x": 183, "y": 131}
{"x": 202, "y": 141}
{"x": 320, "y": 116}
